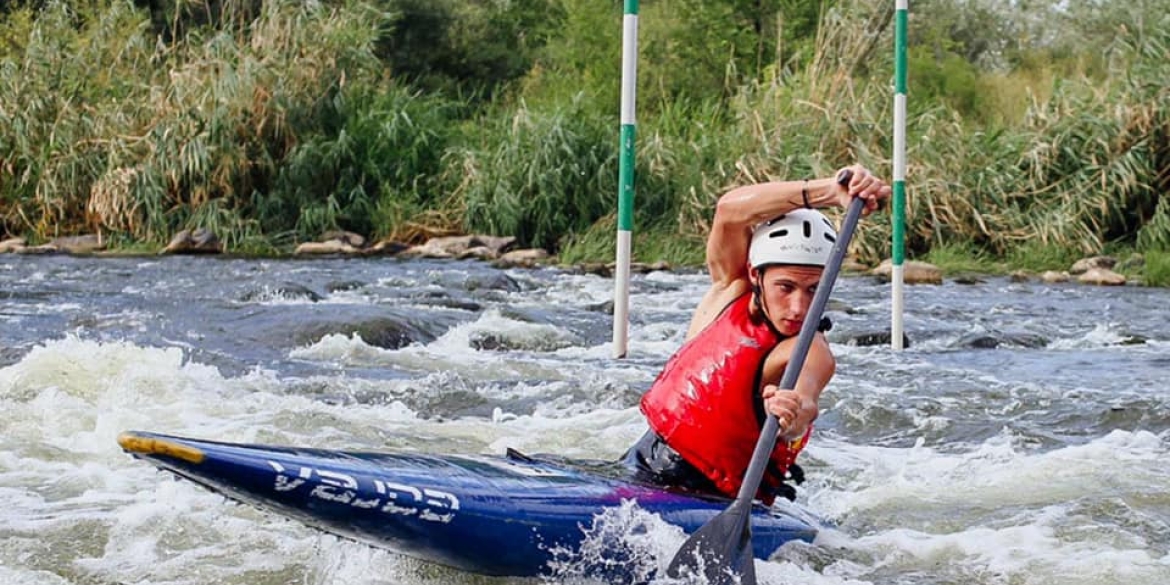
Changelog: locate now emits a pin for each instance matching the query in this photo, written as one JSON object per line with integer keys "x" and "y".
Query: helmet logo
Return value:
{"x": 793, "y": 238}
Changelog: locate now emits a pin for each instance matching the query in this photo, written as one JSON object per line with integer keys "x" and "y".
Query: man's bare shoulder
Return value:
{"x": 714, "y": 300}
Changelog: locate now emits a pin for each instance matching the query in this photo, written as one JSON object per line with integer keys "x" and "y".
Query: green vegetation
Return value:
{"x": 962, "y": 258}
{"x": 1157, "y": 269}
{"x": 1038, "y": 256}
{"x": 1037, "y": 133}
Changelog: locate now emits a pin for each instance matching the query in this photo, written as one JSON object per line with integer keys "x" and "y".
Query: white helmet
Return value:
{"x": 801, "y": 236}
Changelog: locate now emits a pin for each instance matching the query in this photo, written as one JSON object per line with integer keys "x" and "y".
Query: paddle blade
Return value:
{"x": 721, "y": 550}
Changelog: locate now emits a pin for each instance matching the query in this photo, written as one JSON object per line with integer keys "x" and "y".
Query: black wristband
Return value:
{"x": 804, "y": 195}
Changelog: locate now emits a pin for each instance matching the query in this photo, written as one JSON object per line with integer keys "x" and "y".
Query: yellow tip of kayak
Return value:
{"x": 148, "y": 446}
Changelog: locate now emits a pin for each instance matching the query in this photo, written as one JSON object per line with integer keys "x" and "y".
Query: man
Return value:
{"x": 765, "y": 253}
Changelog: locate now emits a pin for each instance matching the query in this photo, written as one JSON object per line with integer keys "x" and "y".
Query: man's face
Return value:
{"x": 786, "y": 294}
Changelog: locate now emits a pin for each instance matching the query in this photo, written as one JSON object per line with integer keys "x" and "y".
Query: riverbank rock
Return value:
{"x": 79, "y": 245}
{"x": 345, "y": 237}
{"x": 462, "y": 247}
{"x": 608, "y": 270}
{"x": 852, "y": 264}
{"x": 12, "y": 245}
{"x": 333, "y": 242}
{"x": 41, "y": 249}
{"x": 199, "y": 241}
{"x": 1101, "y": 277}
{"x": 1054, "y": 276}
{"x": 385, "y": 248}
{"x": 647, "y": 268}
{"x": 76, "y": 245}
{"x": 524, "y": 258}
{"x": 328, "y": 247}
{"x": 913, "y": 272}
{"x": 1086, "y": 264}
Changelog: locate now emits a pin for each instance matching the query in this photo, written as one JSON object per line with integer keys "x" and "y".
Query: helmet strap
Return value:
{"x": 757, "y": 290}
{"x": 761, "y": 304}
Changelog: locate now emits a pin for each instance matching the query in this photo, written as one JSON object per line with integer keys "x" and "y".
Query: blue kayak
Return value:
{"x": 493, "y": 515}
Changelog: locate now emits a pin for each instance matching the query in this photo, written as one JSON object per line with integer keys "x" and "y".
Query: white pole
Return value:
{"x": 625, "y": 219}
{"x": 899, "y": 203}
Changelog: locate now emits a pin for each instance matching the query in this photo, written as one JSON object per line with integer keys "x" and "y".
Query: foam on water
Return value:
{"x": 1079, "y": 514}
{"x": 995, "y": 474}
{"x": 1102, "y": 335}
{"x": 1028, "y": 554}
{"x": 452, "y": 350}
{"x": 67, "y": 400}
{"x": 75, "y": 504}
{"x": 920, "y": 506}
{"x": 630, "y": 541}
{"x": 545, "y": 353}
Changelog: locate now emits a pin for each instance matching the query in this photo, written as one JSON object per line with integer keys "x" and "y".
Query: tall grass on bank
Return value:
{"x": 793, "y": 125}
{"x": 274, "y": 123}
{"x": 1085, "y": 167}
{"x": 106, "y": 128}
{"x": 1079, "y": 169}
{"x": 376, "y": 172}
{"x": 1157, "y": 269}
{"x": 691, "y": 150}
{"x": 540, "y": 174}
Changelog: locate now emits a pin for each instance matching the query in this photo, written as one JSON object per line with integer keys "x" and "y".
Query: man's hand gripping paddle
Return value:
{"x": 721, "y": 549}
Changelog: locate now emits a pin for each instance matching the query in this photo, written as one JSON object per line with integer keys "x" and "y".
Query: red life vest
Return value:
{"x": 704, "y": 403}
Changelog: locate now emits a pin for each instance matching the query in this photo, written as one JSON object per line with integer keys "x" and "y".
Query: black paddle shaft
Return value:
{"x": 722, "y": 548}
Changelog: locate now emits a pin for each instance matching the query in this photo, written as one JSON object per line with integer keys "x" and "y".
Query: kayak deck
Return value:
{"x": 482, "y": 514}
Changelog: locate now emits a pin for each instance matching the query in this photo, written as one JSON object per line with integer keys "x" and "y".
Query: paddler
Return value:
{"x": 765, "y": 253}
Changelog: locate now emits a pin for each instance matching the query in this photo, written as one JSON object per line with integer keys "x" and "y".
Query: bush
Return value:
{"x": 540, "y": 175}
{"x": 1157, "y": 269}
{"x": 379, "y": 168}
{"x": 465, "y": 48}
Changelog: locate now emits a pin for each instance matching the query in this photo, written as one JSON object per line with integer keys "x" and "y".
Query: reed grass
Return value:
{"x": 112, "y": 130}
{"x": 1156, "y": 271}
{"x": 962, "y": 258}
{"x": 1038, "y": 256}
{"x": 541, "y": 175}
{"x": 1072, "y": 169}
{"x": 378, "y": 169}
{"x": 271, "y": 122}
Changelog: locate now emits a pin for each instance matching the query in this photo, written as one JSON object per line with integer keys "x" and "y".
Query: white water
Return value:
{"x": 937, "y": 466}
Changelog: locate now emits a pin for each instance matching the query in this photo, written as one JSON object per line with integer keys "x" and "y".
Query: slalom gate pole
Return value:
{"x": 625, "y": 217}
{"x": 901, "y": 17}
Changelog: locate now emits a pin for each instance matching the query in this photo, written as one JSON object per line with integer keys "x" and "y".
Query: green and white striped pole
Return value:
{"x": 899, "y": 203}
{"x": 625, "y": 218}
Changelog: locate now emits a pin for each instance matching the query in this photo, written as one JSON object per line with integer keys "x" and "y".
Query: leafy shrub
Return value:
{"x": 540, "y": 174}
{"x": 379, "y": 167}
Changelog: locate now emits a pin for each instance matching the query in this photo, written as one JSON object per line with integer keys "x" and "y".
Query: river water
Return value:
{"x": 1022, "y": 439}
